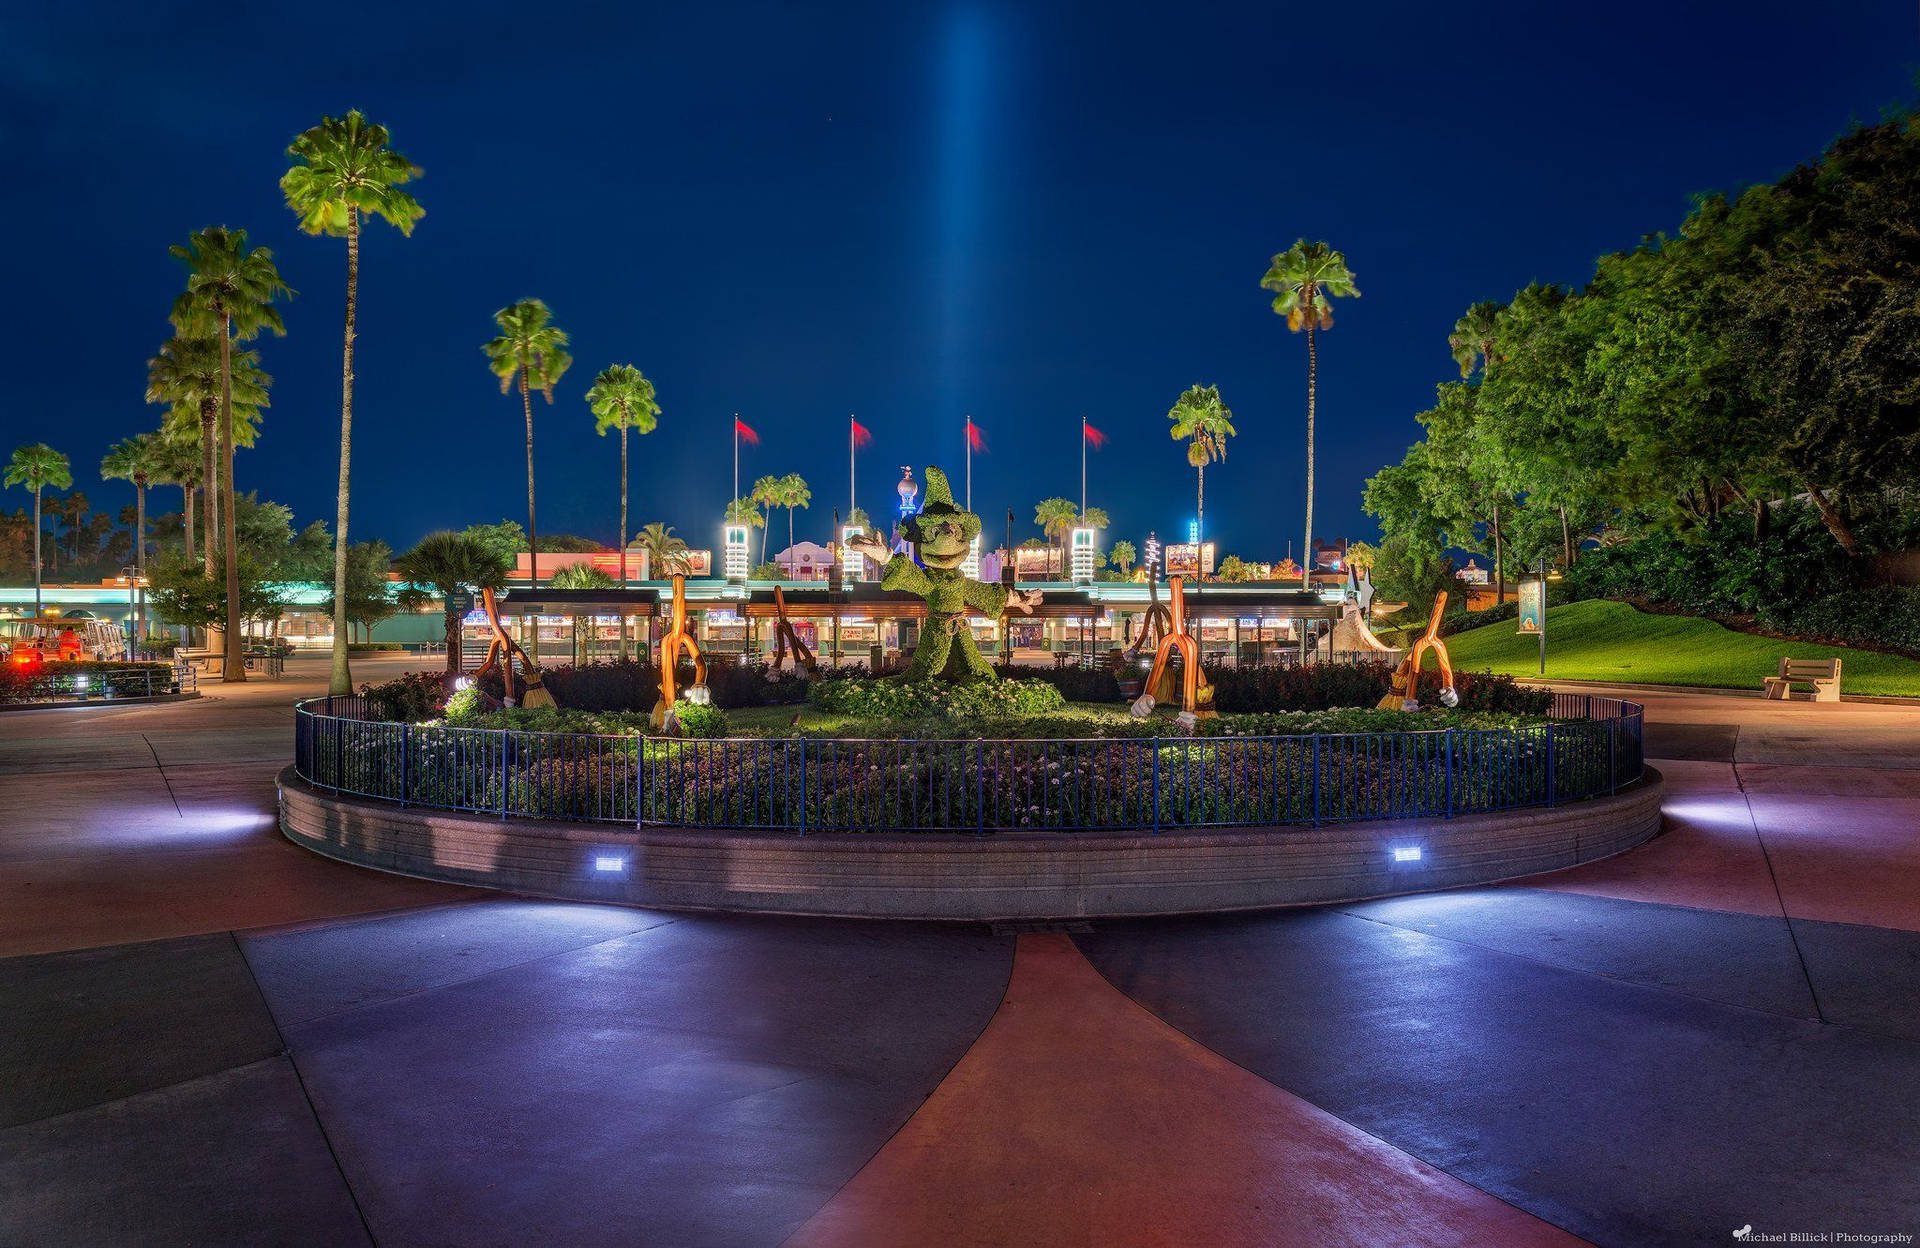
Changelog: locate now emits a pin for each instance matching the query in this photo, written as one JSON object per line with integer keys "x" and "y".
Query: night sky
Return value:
{"x": 910, "y": 212}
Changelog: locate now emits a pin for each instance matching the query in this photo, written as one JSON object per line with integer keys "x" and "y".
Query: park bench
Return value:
{"x": 1822, "y": 674}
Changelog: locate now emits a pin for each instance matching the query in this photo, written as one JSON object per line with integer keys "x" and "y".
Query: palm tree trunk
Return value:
{"x": 451, "y": 625}
{"x": 340, "y": 681}
{"x": 533, "y": 534}
{"x": 36, "y": 552}
{"x": 789, "y": 535}
{"x": 140, "y": 553}
{"x": 623, "y": 525}
{"x": 186, "y": 514}
{"x": 1313, "y": 368}
{"x": 235, "y": 668}
{"x": 1499, "y": 560}
{"x": 209, "y": 480}
{"x": 1199, "y": 519}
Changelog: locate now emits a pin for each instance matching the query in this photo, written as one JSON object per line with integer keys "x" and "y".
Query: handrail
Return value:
{"x": 1589, "y": 747}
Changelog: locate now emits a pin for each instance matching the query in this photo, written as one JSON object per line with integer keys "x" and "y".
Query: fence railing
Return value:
{"x": 50, "y": 684}
{"x": 1588, "y": 747}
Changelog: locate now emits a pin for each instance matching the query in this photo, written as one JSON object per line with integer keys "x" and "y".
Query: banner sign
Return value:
{"x": 1533, "y": 608}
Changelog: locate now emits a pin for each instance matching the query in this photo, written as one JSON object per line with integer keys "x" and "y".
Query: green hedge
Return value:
{"x": 934, "y": 699}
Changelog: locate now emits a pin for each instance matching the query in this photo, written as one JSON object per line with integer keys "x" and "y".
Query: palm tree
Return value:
{"x": 452, "y": 563}
{"x": 178, "y": 463}
{"x": 1055, "y": 516}
{"x": 1122, "y": 556}
{"x": 580, "y": 576}
{"x": 346, "y": 170}
{"x": 185, "y": 375}
{"x": 230, "y": 291}
{"x": 1094, "y": 518}
{"x": 766, "y": 495}
{"x": 72, "y": 510}
{"x": 620, "y": 398}
{"x": 1205, "y": 423}
{"x": 666, "y": 554}
{"x": 36, "y": 467}
{"x": 136, "y": 459}
{"x": 793, "y": 493}
{"x": 531, "y": 350}
{"x": 1305, "y": 278}
{"x": 1472, "y": 344}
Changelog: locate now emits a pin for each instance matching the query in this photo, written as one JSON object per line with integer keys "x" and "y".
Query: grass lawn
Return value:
{"x": 1598, "y": 640}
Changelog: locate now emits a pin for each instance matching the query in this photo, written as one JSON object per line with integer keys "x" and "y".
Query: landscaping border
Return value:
{"x": 957, "y": 877}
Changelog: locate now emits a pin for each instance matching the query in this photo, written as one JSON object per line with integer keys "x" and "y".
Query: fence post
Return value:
{"x": 803, "y": 786}
{"x": 503, "y": 764}
{"x": 639, "y": 779}
{"x": 1449, "y": 773}
{"x": 1553, "y": 788}
{"x": 1154, "y": 745}
{"x": 1613, "y": 768}
{"x": 406, "y": 753}
{"x": 1316, "y": 779}
{"x": 979, "y": 789}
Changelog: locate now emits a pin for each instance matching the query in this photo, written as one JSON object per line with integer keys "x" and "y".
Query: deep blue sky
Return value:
{"x": 905, "y": 211}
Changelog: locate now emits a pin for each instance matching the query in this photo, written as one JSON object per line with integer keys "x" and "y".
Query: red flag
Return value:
{"x": 1095, "y": 438}
{"x": 976, "y": 439}
{"x": 861, "y": 435}
{"x": 744, "y": 432}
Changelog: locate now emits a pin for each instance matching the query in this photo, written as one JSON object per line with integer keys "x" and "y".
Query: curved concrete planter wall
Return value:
{"x": 1005, "y": 876}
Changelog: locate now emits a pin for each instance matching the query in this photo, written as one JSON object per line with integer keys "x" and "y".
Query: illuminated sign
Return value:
{"x": 735, "y": 545}
{"x": 1533, "y": 608}
{"x": 1083, "y": 553}
{"x": 1183, "y": 559}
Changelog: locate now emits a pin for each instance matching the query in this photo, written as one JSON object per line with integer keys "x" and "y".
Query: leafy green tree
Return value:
{"x": 1123, "y": 556}
{"x": 1306, "y": 278}
{"x": 1472, "y": 338}
{"x": 230, "y": 292}
{"x": 666, "y": 554}
{"x": 183, "y": 594}
{"x": 622, "y": 398}
{"x": 859, "y": 516}
{"x": 454, "y": 563}
{"x": 35, "y": 467}
{"x": 370, "y": 596}
{"x": 1204, "y": 423}
{"x": 344, "y": 171}
{"x": 505, "y": 539}
{"x": 530, "y": 352}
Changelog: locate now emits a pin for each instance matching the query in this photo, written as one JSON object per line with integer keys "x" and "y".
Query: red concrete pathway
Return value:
{"x": 1080, "y": 1118}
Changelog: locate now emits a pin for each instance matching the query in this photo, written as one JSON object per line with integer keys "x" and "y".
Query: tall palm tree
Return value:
{"x": 1123, "y": 556}
{"x": 185, "y": 375}
{"x": 1305, "y": 278}
{"x": 136, "y": 459}
{"x": 530, "y": 350}
{"x": 765, "y": 495}
{"x": 621, "y": 398}
{"x": 230, "y": 292}
{"x": 793, "y": 493}
{"x": 178, "y": 464}
{"x": 1204, "y": 423}
{"x": 1472, "y": 344}
{"x": 666, "y": 554}
{"x": 452, "y": 563}
{"x": 36, "y": 467}
{"x": 72, "y": 511}
{"x": 345, "y": 171}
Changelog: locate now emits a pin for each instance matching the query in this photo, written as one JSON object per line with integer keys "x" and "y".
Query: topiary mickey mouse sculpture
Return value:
{"x": 941, "y": 534}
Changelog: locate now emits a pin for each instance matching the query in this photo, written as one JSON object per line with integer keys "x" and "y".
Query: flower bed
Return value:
{"x": 53, "y": 680}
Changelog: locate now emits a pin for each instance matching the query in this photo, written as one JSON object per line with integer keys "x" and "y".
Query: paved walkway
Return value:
{"x": 211, "y": 1037}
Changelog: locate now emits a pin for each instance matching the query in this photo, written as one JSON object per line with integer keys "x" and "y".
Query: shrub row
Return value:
{"x": 923, "y": 699}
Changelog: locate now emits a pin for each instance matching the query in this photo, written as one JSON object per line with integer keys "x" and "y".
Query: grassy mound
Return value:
{"x": 1601, "y": 640}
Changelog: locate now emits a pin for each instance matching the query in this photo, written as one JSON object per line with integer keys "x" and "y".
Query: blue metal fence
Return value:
{"x": 1589, "y": 747}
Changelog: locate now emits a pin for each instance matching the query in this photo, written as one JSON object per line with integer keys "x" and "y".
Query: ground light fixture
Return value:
{"x": 609, "y": 864}
{"x": 1406, "y": 853}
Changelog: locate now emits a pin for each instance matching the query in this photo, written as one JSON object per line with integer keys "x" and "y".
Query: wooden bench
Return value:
{"x": 1822, "y": 674}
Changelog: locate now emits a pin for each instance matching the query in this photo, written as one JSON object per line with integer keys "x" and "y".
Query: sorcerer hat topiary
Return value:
{"x": 939, "y": 506}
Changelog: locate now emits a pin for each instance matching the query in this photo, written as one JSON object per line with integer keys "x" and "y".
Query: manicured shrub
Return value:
{"x": 1885, "y": 617}
{"x": 1314, "y": 687}
{"x": 57, "y": 679}
{"x": 1484, "y": 691}
{"x": 897, "y": 699}
{"x": 410, "y": 698}
{"x": 630, "y": 685}
{"x": 1080, "y": 684}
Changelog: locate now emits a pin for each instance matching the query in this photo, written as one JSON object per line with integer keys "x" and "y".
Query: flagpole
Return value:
{"x": 852, "y": 494}
{"x": 1083, "y": 463}
{"x": 736, "y": 459}
{"x": 969, "y": 433}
